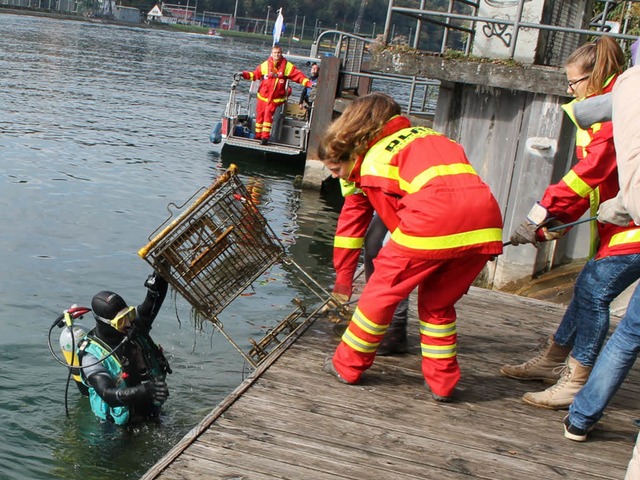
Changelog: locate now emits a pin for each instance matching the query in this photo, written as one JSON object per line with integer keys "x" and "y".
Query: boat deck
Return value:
{"x": 290, "y": 420}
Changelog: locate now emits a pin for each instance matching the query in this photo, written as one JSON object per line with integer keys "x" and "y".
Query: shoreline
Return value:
{"x": 161, "y": 26}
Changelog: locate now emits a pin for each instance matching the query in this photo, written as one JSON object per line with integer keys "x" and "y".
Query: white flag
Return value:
{"x": 277, "y": 28}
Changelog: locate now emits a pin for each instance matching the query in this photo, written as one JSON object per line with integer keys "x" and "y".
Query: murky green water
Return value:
{"x": 100, "y": 128}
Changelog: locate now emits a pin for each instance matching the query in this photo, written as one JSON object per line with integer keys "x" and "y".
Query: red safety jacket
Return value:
{"x": 274, "y": 79}
{"x": 590, "y": 182}
{"x": 428, "y": 194}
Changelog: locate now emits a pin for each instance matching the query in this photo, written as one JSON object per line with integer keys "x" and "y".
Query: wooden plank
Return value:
{"x": 294, "y": 421}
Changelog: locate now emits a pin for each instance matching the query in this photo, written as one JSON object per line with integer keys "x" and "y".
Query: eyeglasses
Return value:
{"x": 572, "y": 83}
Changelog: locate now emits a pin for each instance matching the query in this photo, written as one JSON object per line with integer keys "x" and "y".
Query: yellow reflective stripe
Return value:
{"x": 463, "y": 239}
{"x": 436, "y": 171}
{"x": 594, "y": 204}
{"x": 628, "y": 236}
{"x": 367, "y": 325}
{"x": 348, "y": 242}
{"x": 382, "y": 170}
{"x": 438, "y": 351}
{"x": 358, "y": 344}
{"x": 376, "y": 161}
{"x": 583, "y": 138}
{"x": 274, "y": 100}
{"x": 575, "y": 183}
{"x": 432, "y": 330}
{"x": 348, "y": 188}
{"x": 264, "y": 68}
{"x": 287, "y": 69}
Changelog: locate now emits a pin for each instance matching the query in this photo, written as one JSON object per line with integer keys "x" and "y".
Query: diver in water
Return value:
{"x": 122, "y": 367}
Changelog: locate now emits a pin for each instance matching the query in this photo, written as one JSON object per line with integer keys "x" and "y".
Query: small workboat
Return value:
{"x": 290, "y": 131}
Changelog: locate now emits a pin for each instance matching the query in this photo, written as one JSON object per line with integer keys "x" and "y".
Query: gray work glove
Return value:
{"x": 525, "y": 233}
{"x": 612, "y": 212}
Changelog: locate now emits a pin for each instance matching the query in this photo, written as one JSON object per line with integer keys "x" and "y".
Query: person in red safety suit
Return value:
{"x": 570, "y": 353}
{"x": 445, "y": 225}
{"x": 359, "y": 227}
{"x": 273, "y": 73}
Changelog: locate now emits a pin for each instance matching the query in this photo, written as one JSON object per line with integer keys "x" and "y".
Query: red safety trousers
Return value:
{"x": 264, "y": 118}
{"x": 441, "y": 283}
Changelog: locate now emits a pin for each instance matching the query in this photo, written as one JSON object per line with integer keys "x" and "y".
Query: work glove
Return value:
{"x": 612, "y": 212}
{"x": 554, "y": 235}
{"x": 525, "y": 233}
{"x": 331, "y": 306}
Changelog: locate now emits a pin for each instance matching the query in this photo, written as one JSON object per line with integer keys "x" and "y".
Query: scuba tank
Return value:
{"x": 71, "y": 335}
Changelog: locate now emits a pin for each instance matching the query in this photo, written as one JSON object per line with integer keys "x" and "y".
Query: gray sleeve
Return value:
{"x": 96, "y": 367}
{"x": 592, "y": 110}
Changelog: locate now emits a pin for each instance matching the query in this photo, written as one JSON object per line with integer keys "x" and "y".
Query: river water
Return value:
{"x": 100, "y": 128}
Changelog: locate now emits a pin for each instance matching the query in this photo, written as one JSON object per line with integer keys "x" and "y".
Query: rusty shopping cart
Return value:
{"x": 216, "y": 248}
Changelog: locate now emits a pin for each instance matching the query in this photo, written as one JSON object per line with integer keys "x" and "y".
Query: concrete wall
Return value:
{"x": 494, "y": 40}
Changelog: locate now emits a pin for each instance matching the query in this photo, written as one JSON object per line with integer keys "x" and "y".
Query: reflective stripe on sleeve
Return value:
{"x": 353, "y": 243}
{"x": 575, "y": 183}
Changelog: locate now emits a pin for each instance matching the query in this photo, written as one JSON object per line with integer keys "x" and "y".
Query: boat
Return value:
{"x": 214, "y": 34}
{"x": 291, "y": 123}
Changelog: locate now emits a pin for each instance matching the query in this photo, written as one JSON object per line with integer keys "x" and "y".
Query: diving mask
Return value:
{"x": 123, "y": 319}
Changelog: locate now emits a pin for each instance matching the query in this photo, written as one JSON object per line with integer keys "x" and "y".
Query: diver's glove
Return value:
{"x": 155, "y": 283}
{"x": 155, "y": 391}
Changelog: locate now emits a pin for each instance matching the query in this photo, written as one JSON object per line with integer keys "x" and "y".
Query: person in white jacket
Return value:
{"x": 621, "y": 351}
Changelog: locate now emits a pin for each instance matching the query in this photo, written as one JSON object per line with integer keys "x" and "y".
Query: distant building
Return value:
{"x": 126, "y": 14}
{"x": 157, "y": 14}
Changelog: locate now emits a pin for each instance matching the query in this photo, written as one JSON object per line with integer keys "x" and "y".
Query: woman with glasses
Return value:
{"x": 568, "y": 356}
{"x": 123, "y": 368}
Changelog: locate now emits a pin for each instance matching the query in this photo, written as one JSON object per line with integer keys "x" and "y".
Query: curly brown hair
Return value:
{"x": 599, "y": 60}
{"x": 350, "y": 134}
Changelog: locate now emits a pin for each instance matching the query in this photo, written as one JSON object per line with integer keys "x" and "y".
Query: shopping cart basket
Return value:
{"x": 216, "y": 248}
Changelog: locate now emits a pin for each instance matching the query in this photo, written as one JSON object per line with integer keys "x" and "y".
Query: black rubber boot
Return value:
{"x": 395, "y": 340}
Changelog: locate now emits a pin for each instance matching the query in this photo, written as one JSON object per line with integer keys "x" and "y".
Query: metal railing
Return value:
{"x": 421, "y": 98}
{"x": 508, "y": 28}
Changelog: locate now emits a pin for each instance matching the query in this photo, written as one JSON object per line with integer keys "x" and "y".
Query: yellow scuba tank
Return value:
{"x": 71, "y": 335}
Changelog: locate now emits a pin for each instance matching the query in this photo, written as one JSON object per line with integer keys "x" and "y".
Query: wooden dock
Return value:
{"x": 290, "y": 420}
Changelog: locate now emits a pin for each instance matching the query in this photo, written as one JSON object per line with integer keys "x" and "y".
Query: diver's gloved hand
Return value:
{"x": 155, "y": 391}
{"x": 155, "y": 282}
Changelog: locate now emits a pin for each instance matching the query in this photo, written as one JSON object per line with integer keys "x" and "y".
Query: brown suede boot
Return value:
{"x": 560, "y": 395}
{"x": 544, "y": 366}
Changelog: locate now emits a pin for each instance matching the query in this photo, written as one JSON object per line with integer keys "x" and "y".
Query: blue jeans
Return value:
{"x": 585, "y": 324}
{"x": 610, "y": 370}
